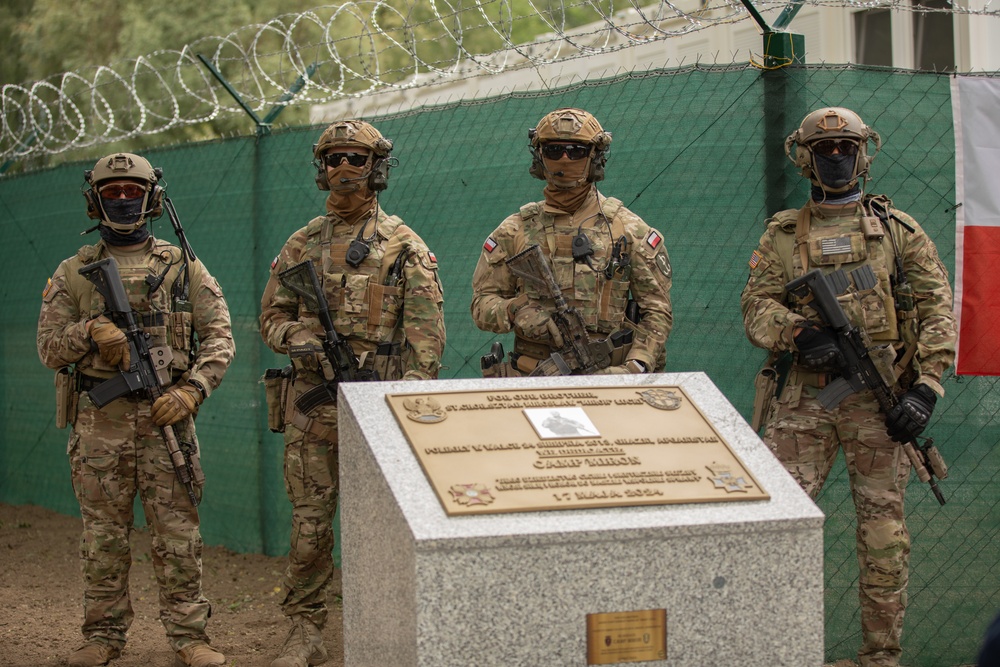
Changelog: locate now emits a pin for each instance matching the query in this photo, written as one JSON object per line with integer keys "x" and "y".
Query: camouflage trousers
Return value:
{"x": 311, "y": 484}
{"x": 805, "y": 437}
{"x": 116, "y": 452}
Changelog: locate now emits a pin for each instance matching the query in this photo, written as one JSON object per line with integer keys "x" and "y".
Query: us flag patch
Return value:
{"x": 490, "y": 244}
{"x": 48, "y": 286}
{"x": 755, "y": 259}
{"x": 653, "y": 239}
{"x": 837, "y": 246}
{"x": 274, "y": 262}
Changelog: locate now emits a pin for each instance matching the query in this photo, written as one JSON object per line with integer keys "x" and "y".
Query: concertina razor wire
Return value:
{"x": 346, "y": 50}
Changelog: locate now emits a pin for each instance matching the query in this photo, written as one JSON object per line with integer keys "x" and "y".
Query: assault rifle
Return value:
{"x": 303, "y": 281}
{"x": 859, "y": 371}
{"x": 579, "y": 354}
{"x": 141, "y": 376}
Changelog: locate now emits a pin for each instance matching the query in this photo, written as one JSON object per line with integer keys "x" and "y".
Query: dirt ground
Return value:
{"x": 41, "y": 599}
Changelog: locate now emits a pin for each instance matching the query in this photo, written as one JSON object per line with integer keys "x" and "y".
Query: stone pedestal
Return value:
{"x": 741, "y": 582}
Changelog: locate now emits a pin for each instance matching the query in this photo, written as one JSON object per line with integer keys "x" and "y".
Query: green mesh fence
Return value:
{"x": 689, "y": 155}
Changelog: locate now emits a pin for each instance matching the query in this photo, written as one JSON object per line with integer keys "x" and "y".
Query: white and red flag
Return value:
{"x": 976, "y": 111}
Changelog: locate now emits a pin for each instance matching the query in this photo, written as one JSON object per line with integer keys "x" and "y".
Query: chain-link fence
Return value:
{"x": 693, "y": 154}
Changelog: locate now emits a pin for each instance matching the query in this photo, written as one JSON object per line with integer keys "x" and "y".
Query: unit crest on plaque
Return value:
{"x": 723, "y": 478}
{"x": 424, "y": 409}
{"x": 471, "y": 494}
{"x": 661, "y": 399}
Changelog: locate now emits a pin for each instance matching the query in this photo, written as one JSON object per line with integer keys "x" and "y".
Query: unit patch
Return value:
{"x": 662, "y": 263}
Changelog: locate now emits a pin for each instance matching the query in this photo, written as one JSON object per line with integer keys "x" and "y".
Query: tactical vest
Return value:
{"x": 599, "y": 299}
{"x": 166, "y": 314}
{"x": 364, "y": 308}
{"x": 847, "y": 245}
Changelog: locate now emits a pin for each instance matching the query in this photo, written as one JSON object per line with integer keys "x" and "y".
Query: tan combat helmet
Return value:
{"x": 832, "y": 123}
{"x": 347, "y": 133}
{"x": 570, "y": 125}
{"x": 128, "y": 166}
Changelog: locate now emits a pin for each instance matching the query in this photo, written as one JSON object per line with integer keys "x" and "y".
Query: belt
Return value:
{"x": 86, "y": 382}
{"x": 812, "y": 378}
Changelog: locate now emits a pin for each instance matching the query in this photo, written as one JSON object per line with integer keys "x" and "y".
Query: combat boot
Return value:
{"x": 302, "y": 647}
{"x": 199, "y": 654}
{"x": 93, "y": 654}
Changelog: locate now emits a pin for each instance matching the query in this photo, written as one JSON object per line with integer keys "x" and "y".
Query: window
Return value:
{"x": 873, "y": 37}
{"x": 933, "y": 37}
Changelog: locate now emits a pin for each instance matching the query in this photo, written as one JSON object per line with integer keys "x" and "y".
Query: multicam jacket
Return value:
{"x": 197, "y": 328}
{"x": 839, "y": 237}
{"x": 370, "y": 304}
{"x": 600, "y": 290}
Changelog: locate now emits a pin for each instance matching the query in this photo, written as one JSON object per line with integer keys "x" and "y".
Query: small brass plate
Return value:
{"x": 522, "y": 450}
{"x": 627, "y": 636}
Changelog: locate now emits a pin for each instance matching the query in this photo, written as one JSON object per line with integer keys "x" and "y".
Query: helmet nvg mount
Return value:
{"x": 572, "y": 126}
{"x": 832, "y": 123}
{"x": 357, "y": 133}
{"x": 124, "y": 166}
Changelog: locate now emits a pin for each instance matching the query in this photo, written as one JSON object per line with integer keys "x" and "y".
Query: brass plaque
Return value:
{"x": 521, "y": 450}
{"x": 627, "y": 636}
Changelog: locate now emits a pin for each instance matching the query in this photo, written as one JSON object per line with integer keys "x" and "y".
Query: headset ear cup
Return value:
{"x": 803, "y": 160}
{"x": 321, "y": 180}
{"x": 597, "y": 166}
{"x": 93, "y": 211}
{"x": 537, "y": 169}
{"x": 378, "y": 179}
{"x": 156, "y": 202}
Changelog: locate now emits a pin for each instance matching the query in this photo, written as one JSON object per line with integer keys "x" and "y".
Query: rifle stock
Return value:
{"x": 859, "y": 371}
{"x": 141, "y": 376}
{"x": 303, "y": 281}
{"x": 579, "y": 353}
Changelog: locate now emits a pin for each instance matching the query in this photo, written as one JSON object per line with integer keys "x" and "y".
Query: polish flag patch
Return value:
{"x": 654, "y": 239}
{"x": 490, "y": 244}
{"x": 274, "y": 262}
{"x": 432, "y": 256}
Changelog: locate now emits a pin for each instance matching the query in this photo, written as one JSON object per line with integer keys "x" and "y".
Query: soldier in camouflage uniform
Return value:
{"x": 118, "y": 450}
{"x": 603, "y": 256}
{"x": 381, "y": 283}
{"x": 908, "y": 316}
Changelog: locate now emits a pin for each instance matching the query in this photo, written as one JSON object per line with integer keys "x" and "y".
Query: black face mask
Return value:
{"x": 111, "y": 237}
{"x": 835, "y": 171}
{"x": 123, "y": 211}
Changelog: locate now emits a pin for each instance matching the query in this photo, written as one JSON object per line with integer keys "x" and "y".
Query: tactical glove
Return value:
{"x": 534, "y": 322}
{"x": 631, "y": 367}
{"x": 818, "y": 350}
{"x": 305, "y": 350}
{"x": 175, "y": 404}
{"x": 112, "y": 343}
{"x": 910, "y": 416}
